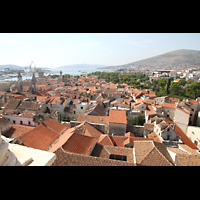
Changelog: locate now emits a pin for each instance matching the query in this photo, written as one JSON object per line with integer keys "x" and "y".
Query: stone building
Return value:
{"x": 117, "y": 122}
{"x": 114, "y": 124}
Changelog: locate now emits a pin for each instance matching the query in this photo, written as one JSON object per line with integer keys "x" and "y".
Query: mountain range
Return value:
{"x": 172, "y": 58}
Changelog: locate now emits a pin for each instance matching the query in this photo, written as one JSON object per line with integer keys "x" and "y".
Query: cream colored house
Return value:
{"x": 193, "y": 132}
{"x": 181, "y": 118}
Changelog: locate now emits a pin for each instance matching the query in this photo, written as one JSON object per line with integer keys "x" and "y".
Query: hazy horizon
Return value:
{"x": 53, "y": 50}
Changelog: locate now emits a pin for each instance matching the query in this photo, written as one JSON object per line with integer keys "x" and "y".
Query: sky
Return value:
{"x": 58, "y": 49}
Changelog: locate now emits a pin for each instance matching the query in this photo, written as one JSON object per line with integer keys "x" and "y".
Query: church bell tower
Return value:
{"x": 34, "y": 83}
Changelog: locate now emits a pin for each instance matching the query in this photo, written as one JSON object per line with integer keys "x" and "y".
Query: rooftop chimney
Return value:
{"x": 116, "y": 107}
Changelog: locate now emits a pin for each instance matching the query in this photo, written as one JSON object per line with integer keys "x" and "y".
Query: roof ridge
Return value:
{"x": 48, "y": 127}
{"x": 112, "y": 140}
{"x": 163, "y": 155}
{"x": 148, "y": 153}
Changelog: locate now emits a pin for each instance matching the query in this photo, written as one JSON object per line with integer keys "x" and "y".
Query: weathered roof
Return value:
{"x": 187, "y": 160}
{"x": 4, "y": 122}
{"x": 97, "y": 110}
{"x": 151, "y": 153}
{"x": 64, "y": 158}
{"x": 30, "y": 105}
{"x": 18, "y": 129}
{"x": 13, "y": 104}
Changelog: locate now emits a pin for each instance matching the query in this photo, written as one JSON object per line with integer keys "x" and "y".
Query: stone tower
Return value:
{"x": 34, "y": 83}
{"x": 19, "y": 77}
{"x": 60, "y": 77}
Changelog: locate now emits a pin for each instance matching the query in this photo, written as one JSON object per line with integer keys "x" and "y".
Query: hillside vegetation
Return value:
{"x": 183, "y": 89}
{"x": 173, "y": 58}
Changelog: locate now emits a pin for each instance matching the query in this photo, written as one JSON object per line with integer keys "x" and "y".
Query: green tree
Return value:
{"x": 139, "y": 120}
{"x": 193, "y": 90}
{"x": 162, "y": 83}
{"x": 175, "y": 88}
{"x": 190, "y": 81}
{"x": 182, "y": 82}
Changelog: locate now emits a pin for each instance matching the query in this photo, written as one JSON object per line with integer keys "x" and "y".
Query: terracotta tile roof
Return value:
{"x": 193, "y": 101}
{"x": 117, "y": 116}
{"x": 40, "y": 137}
{"x": 66, "y": 125}
{"x": 177, "y": 80}
{"x": 189, "y": 149}
{"x": 119, "y": 141}
{"x": 28, "y": 114}
{"x": 122, "y": 151}
{"x": 13, "y": 104}
{"x": 97, "y": 110}
{"x": 150, "y": 153}
{"x": 177, "y": 150}
{"x": 169, "y": 105}
{"x": 91, "y": 131}
{"x": 62, "y": 139}
{"x": 31, "y": 105}
{"x": 155, "y": 137}
{"x": 148, "y": 101}
{"x": 129, "y": 134}
{"x": 55, "y": 125}
{"x": 187, "y": 160}
{"x": 151, "y": 108}
{"x": 104, "y": 139}
{"x": 18, "y": 129}
{"x": 173, "y": 100}
{"x": 80, "y": 144}
{"x": 64, "y": 158}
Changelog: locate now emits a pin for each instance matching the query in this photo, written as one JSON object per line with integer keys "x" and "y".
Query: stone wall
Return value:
{"x": 117, "y": 129}
{"x": 138, "y": 130}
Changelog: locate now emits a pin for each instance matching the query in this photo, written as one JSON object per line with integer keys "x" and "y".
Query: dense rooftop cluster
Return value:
{"x": 86, "y": 121}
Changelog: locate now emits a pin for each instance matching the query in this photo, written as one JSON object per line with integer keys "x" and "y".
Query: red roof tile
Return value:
{"x": 80, "y": 144}
{"x": 40, "y": 137}
{"x": 169, "y": 105}
{"x": 117, "y": 116}
{"x": 55, "y": 125}
{"x": 18, "y": 129}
